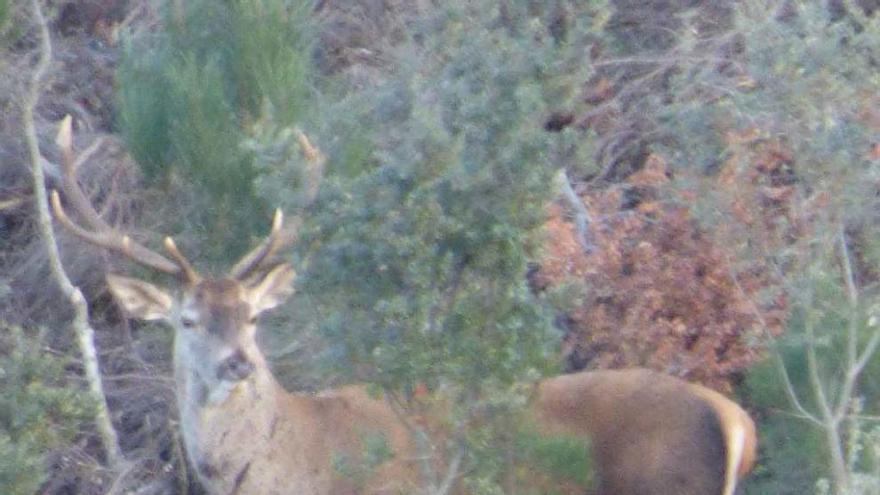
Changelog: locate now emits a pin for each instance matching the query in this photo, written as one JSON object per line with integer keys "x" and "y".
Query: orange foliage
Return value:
{"x": 661, "y": 291}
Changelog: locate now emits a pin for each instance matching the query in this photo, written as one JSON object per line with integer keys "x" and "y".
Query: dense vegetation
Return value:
{"x": 723, "y": 161}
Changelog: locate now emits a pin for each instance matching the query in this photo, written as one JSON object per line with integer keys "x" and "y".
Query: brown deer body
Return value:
{"x": 244, "y": 434}
{"x": 651, "y": 433}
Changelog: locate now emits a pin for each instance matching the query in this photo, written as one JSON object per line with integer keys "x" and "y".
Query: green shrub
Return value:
{"x": 39, "y": 412}
{"x": 5, "y": 15}
{"x": 800, "y": 86}
{"x": 791, "y": 451}
{"x": 189, "y": 93}
{"x": 415, "y": 255}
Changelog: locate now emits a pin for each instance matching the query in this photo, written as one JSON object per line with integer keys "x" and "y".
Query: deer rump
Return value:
{"x": 649, "y": 433}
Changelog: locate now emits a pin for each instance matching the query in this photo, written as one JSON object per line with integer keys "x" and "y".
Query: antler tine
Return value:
{"x": 264, "y": 251}
{"x": 75, "y": 195}
{"x": 281, "y": 235}
{"x": 190, "y": 274}
{"x": 121, "y": 244}
{"x": 99, "y": 232}
{"x": 316, "y": 160}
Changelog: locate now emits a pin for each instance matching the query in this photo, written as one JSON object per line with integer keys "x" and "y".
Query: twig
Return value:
{"x": 581, "y": 216}
{"x": 182, "y": 478}
{"x": 12, "y": 203}
{"x": 423, "y": 442}
{"x": 828, "y": 417}
{"x": 856, "y": 360}
{"x": 81, "y": 326}
{"x": 667, "y": 60}
{"x": 781, "y": 367}
{"x": 451, "y": 472}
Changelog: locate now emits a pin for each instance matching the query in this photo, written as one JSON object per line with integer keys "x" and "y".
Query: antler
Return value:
{"x": 254, "y": 259}
{"x": 98, "y": 231}
{"x": 279, "y": 236}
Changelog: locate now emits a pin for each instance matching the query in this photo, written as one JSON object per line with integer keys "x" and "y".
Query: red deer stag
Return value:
{"x": 245, "y": 434}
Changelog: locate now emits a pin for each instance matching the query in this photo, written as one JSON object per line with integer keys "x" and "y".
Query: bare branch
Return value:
{"x": 856, "y": 361}
{"x": 828, "y": 416}
{"x": 452, "y": 472}
{"x": 80, "y": 324}
{"x": 581, "y": 216}
{"x": 867, "y": 352}
{"x": 781, "y": 368}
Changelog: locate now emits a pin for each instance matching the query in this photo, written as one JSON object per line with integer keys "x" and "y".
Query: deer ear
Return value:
{"x": 140, "y": 299}
{"x": 271, "y": 289}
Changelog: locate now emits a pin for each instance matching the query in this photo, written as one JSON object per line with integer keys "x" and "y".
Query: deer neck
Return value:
{"x": 224, "y": 431}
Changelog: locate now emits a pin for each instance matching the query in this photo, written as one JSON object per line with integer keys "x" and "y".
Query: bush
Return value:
{"x": 38, "y": 411}
{"x": 189, "y": 93}
{"x": 792, "y": 136}
{"x": 656, "y": 290}
{"x": 415, "y": 254}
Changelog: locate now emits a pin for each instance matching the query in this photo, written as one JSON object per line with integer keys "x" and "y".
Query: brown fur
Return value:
{"x": 296, "y": 448}
{"x": 651, "y": 433}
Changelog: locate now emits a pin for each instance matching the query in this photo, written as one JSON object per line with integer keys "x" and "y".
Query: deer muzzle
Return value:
{"x": 235, "y": 368}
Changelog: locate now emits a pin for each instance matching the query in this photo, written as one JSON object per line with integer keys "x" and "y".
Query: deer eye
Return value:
{"x": 253, "y": 320}
{"x": 187, "y": 323}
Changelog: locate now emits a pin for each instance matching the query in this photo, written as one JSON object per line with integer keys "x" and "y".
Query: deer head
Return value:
{"x": 214, "y": 319}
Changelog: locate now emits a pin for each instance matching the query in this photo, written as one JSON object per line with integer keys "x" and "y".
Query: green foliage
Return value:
{"x": 424, "y": 243}
{"x": 814, "y": 73}
{"x": 563, "y": 458}
{"x": 803, "y": 83}
{"x": 375, "y": 451}
{"x": 537, "y": 463}
{"x": 189, "y": 92}
{"x": 5, "y": 16}
{"x": 792, "y": 452}
{"x": 38, "y": 411}
{"x": 12, "y": 24}
{"x": 807, "y": 77}
{"x": 415, "y": 255}
{"x": 816, "y": 351}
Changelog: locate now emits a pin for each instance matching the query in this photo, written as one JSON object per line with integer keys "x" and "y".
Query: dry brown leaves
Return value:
{"x": 662, "y": 292}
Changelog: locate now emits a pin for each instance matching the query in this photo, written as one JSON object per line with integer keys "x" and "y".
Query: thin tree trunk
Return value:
{"x": 839, "y": 473}
{"x": 84, "y": 331}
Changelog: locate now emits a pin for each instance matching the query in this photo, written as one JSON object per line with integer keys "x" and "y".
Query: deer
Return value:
{"x": 650, "y": 433}
{"x": 243, "y": 433}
